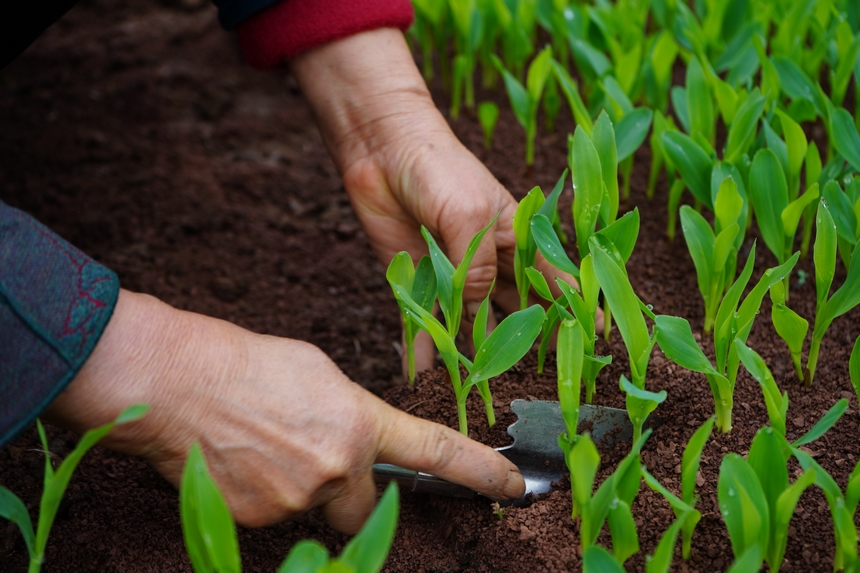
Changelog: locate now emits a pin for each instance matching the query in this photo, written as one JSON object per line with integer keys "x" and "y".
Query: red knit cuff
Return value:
{"x": 291, "y": 27}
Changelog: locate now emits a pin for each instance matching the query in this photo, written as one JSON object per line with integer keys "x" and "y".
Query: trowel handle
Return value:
{"x": 419, "y": 482}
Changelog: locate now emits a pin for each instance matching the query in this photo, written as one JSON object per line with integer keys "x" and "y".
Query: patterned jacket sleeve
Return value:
{"x": 55, "y": 302}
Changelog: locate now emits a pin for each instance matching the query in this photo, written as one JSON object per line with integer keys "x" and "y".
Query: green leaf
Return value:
{"x": 549, "y": 209}
{"x": 798, "y": 85}
{"x": 824, "y": 255}
{"x": 132, "y": 413}
{"x": 623, "y": 233}
{"x": 785, "y": 505}
{"x": 752, "y": 303}
{"x": 640, "y": 402}
{"x": 691, "y": 458}
{"x": 588, "y": 192}
{"x": 631, "y": 130}
{"x": 479, "y": 327}
{"x": 769, "y": 195}
{"x": 582, "y": 463}
{"x": 796, "y": 144}
{"x": 842, "y": 211}
{"x": 366, "y": 552}
{"x": 825, "y": 423}
{"x": 679, "y": 102}
{"x": 13, "y": 509}
{"x": 700, "y": 242}
{"x": 306, "y": 556}
{"x": 854, "y": 367}
{"x": 767, "y": 461}
{"x": 623, "y": 530}
{"x": 742, "y": 505}
{"x": 692, "y": 162}
{"x": 749, "y": 562}
{"x": 207, "y": 526}
{"x": 789, "y": 325}
{"x": 603, "y": 139}
{"x": 742, "y": 131}
{"x": 777, "y": 404}
{"x": 722, "y": 332}
{"x": 728, "y": 204}
{"x": 539, "y": 283}
{"x": 518, "y": 95}
{"x": 843, "y": 300}
{"x": 569, "y": 358}
{"x": 424, "y": 284}
{"x": 661, "y": 560}
{"x": 571, "y": 92}
{"x": 488, "y": 116}
{"x": 624, "y": 302}
{"x": 537, "y": 76}
{"x": 509, "y": 342}
{"x": 550, "y": 247}
{"x": 845, "y": 136}
{"x": 676, "y": 340}
{"x": 791, "y": 214}
{"x": 596, "y": 559}
{"x": 526, "y": 247}
{"x": 699, "y": 100}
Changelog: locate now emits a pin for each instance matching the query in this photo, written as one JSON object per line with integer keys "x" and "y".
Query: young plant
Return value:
{"x": 56, "y": 481}
{"x": 494, "y": 354}
{"x": 756, "y": 499}
{"x": 488, "y": 115}
{"x": 684, "y": 507}
{"x": 612, "y": 499}
{"x": 212, "y": 545}
{"x": 421, "y": 284}
{"x": 777, "y": 404}
{"x": 854, "y": 367}
{"x": 828, "y": 308}
{"x": 531, "y": 205}
{"x": 468, "y": 31}
{"x": 714, "y": 251}
{"x": 789, "y": 325}
{"x": 525, "y": 100}
{"x": 675, "y": 336}
{"x": 778, "y": 216}
{"x": 450, "y": 281}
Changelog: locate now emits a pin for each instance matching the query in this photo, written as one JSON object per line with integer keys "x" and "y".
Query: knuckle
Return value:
{"x": 439, "y": 450}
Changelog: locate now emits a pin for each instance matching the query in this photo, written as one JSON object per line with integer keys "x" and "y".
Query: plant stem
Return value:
{"x": 797, "y": 366}
{"x": 410, "y": 363}
{"x": 461, "y": 415}
{"x": 36, "y": 564}
{"x": 607, "y": 322}
{"x": 531, "y": 133}
{"x": 589, "y": 390}
{"x": 812, "y": 360}
{"x": 484, "y": 391}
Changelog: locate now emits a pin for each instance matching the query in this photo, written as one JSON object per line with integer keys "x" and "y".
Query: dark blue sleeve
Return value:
{"x": 55, "y": 302}
{"x": 231, "y": 13}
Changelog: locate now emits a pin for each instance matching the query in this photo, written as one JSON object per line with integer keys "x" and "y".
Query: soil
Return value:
{"x": 137, "y": 132}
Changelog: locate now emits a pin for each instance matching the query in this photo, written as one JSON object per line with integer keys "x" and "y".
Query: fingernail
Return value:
{"x": 472, "y": 310}
{"x": 515, "y": 486}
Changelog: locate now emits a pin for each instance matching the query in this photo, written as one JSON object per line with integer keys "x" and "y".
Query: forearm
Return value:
{"x": 362, "y": 103}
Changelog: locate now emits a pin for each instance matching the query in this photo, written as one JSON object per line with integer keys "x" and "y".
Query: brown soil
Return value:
{"x": 138, "y": 133}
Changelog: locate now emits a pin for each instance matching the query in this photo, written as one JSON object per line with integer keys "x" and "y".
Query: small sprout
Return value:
{"x": 498, "y": 510}
{"x": 56, "y": 482}
{"x": 488, "y": 115}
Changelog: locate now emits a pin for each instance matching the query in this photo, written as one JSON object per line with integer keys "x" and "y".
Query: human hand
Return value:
{"x": 283, "y": 429}
{"x": 403, "y": 167}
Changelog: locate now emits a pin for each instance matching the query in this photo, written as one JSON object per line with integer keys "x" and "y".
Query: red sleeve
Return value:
{"x": 291, "y": 27}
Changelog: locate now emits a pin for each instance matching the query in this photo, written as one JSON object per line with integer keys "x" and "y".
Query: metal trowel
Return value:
{"x": 535, "y": 450}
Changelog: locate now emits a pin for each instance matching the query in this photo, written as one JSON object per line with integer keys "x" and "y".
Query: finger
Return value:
{"x": 351, "y": 507}
{"x": 420, "y": 445}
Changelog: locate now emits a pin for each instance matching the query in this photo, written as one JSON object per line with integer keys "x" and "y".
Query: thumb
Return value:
{"x": 421, "y": 445}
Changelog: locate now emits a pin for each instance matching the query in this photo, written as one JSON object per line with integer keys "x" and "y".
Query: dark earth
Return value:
{"x": 137, "y": 132}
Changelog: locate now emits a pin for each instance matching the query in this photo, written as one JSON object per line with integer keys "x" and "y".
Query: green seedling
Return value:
{"x": 612, "y": 277}
{"x": 494, "y": 354}
{"x": 450, "y": 281}
{"x": 570, "y": 89}
{"x": 421, "y": 284}
{"x": 756, "y": 499}
{"x": 790, "y": 326}
{"x": 843, "y": 208}
{"x": 56, "y": 481}
{"x": 828, "y": 308}
{"x": 714, "y": 251}
{"x": 570, "y": 344}
{"x": 854, "y": 368}
{"x": 658, "y": 70}
{"x": 525, "y": 255}
{"x": 777, "y": 404}
{"x": 612, "y": 499}
{"x": 212, "y": 545}
{"x": 777, "y": 215}
{"x": 468, "y": 31}
{"x": 525, "y": 100}
{"x": 488, "y": 116}
{"x": 640, "y": 403}
{"x": 692, "y": 162}
{"x": 675, "y": 336}
{"x": 842, "y": 509}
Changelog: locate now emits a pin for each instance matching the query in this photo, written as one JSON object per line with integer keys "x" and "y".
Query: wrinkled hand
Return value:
{"x": 281, "y": 426}
{"x": 403, "y": 167}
